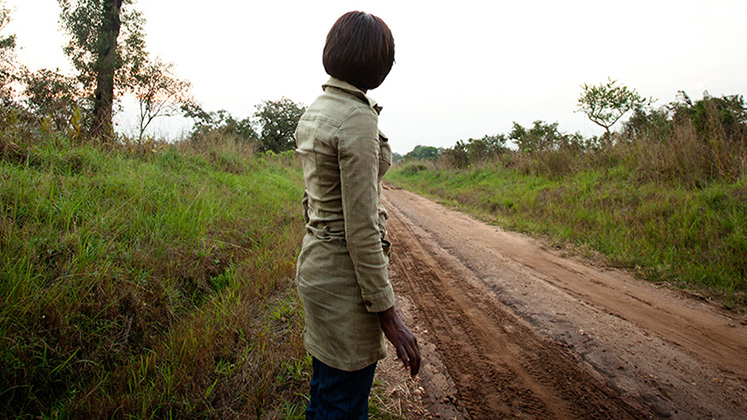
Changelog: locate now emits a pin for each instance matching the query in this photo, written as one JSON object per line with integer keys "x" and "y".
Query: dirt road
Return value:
{"x": 511, "y": 329}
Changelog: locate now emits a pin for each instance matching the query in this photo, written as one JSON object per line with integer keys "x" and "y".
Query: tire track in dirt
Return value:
{"x": 526, "y": 334}
{"x": 501, "y": 368}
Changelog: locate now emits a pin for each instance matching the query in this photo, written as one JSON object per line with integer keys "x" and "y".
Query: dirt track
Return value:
{"x": 511, "y": 329}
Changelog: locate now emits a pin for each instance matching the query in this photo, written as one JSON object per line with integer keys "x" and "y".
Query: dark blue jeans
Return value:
{"x": 338, "y": 394}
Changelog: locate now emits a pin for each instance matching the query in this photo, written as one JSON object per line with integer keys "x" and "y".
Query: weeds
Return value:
{"x": 147, "y": 280}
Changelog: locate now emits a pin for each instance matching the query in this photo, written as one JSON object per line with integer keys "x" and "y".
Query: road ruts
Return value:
{"x": 501, "y": 367}
{"x": 525, "y": 334}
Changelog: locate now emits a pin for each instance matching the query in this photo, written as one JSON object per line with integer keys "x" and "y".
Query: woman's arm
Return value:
{"x": 358, "y": 150}
{"x": 358, "y": 157}
{"x": 305, "y": 206}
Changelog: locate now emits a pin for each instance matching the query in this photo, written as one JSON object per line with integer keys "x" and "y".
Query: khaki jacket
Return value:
{"x": 342, "y": 268}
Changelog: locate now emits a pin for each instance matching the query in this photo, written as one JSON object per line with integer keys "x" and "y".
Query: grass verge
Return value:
{"x": 149, "y": 282}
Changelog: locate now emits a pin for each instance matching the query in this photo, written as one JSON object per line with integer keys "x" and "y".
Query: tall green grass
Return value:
{"x": 693, "y": 237}
{"x": 149, "y": 282}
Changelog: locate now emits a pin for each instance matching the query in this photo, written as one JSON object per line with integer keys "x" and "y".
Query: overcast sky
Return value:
{"x": 463, "y": 68}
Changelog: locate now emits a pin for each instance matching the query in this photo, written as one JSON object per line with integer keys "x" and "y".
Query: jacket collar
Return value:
{"x": 347, "y": 87}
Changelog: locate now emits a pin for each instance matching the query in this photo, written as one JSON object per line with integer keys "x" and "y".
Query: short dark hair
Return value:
{"x": 359, "y": 50}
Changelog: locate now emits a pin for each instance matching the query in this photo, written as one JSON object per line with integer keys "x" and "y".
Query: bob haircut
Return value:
{"x": 359, "y": 50}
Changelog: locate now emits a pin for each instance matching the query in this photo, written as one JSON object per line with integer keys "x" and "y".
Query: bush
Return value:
{"x": 53, "y": 97}
{"x": 694, "y": 143}
{"x": 413, "y": 168}
{"x": 473, "y": 151}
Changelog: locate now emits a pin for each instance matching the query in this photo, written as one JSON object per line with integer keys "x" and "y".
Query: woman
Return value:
{"x": 342, "y": 268}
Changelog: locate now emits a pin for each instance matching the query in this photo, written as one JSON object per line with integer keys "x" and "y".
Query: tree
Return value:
{"x": 51, "y": 96}
{"x": 541, "y": 137}
{"x": 486, "y": 147}
{"x": 276, "y": 123}
{"x": 727, "y": 114}
{"x": 7, "y": 42}
{"x": 606, "y": 103}
{"x": 423, "y": 152}
{"x": 97, "y": 53}
{"x": 219, "y": 122}
{"x": 7, "y": 56}
{"x": 158, "y": 91}
{"x": 456, "y": 156}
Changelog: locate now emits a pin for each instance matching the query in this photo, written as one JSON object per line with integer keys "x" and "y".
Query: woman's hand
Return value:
{"x": 403, "y": 340}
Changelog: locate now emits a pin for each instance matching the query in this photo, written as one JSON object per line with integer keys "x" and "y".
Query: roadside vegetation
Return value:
{"x": 149, "y": 281}
{"x": 665, "y": 197}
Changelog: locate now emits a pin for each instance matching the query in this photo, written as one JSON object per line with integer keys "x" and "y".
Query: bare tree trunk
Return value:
{"x": 105, "y": 66}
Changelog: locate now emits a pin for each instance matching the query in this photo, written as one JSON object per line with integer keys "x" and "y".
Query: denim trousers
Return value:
{"x": 337, "y": 394}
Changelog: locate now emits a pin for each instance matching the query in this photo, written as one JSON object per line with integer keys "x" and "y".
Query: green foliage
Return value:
{"x": 53, "y": 96}
{"x": 543, "y": 137}
{"x": 691, "y": 142}
{"x": 106, "y": 36}
{"x": 475, "y": 150}
{"x": 648, "y": 122}
{"x": 51, "y": 107}
{"x": 218, "y": 123}
{"x": 711, "y": 116}
{"x": 606, "y": 103}
{"x": 276, "y": 123}
{"x": 7, "y": 57}
{"x": 88, "y": 22}
{"x": 423, "y": 153}
{"x": 486, "y": 147}
{"x": 7, "y": 42}
{"x": 147, "y": 283}
{"x": 411, "y": 168}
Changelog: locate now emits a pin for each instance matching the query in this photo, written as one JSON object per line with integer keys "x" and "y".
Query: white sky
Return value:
{"x": 463, "y": 68}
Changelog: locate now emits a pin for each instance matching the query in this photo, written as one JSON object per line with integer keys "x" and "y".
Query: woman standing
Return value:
{"x": 342, "y": 268}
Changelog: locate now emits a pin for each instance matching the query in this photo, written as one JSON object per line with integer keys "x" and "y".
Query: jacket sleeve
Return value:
{"x": 358, "y": 156}
{"x": 305, "y": 206}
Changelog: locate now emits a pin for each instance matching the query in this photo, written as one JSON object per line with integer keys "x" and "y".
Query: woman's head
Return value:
{"x": 359, "y": 50}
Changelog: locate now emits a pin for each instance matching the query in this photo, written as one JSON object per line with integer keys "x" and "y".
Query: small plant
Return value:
{"x": 73, "y": 130}
{"x": 413, "y": 168}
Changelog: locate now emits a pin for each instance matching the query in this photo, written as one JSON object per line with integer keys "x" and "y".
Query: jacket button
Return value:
{"x": 368, "y": 303}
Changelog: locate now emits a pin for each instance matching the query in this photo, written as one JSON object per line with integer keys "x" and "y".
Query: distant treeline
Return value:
{"x": 689, "y": 141}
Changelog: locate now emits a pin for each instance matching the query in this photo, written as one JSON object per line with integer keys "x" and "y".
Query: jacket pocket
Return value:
{"x": 385, "y": 155}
